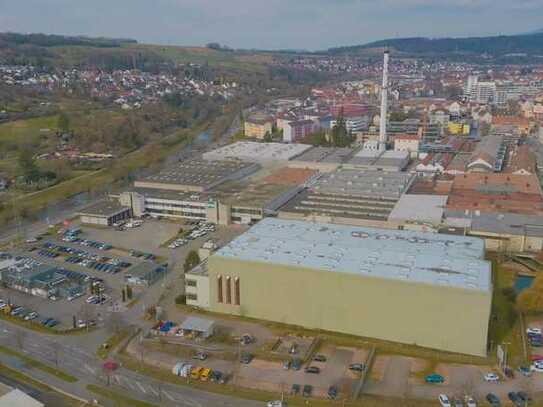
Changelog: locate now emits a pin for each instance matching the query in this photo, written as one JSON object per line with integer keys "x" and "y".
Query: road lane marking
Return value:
{"x": 141, "y": 387}
{"x": 90, "y": 369}
{"x": 168, "y": 395}
{"x": 153, "y": 391}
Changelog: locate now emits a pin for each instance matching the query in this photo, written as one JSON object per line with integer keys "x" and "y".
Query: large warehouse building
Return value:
{"x": 402, "y": 286}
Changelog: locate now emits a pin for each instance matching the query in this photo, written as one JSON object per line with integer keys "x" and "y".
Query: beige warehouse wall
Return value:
{"x": 436, "y": 317}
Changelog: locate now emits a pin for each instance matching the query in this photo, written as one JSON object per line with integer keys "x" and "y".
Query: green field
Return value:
{"x": 229, "y": 60}
{"x": 27, "y": 131}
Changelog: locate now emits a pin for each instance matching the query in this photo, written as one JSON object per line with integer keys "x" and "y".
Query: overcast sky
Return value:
{"x": 271, "y": 24}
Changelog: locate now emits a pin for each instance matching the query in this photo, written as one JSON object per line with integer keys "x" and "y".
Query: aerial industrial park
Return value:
{"x": 205, "y": 226}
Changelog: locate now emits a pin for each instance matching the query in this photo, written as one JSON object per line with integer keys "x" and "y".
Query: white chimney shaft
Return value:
{"x": 384, "y": 105}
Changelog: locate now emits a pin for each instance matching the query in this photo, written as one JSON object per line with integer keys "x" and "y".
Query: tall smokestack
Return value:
{"x": 384, "y": 105}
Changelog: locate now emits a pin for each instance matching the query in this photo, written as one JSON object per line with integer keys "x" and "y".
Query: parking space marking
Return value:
{"x": 168, "y": 395}
{"x": 129, "y": 384}
{"x": 142, "y": 389}
{"x": 90, "y": 369}
{"x": 153, "y": 390}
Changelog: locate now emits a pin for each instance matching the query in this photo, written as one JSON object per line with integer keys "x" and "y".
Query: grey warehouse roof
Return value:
{"x": 434, "y": 259}
{"x": 104, "y": 208}
{"x": 257, "y": 152}
{"x": 204, "y": 173}
{"x": 197, "y": 324}
{"x": 501, "y": 223}
{"x": 360, "y": 182}
{"x": 419, "y": 208}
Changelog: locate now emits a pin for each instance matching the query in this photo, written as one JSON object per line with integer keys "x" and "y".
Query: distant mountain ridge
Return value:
{"x": 52, "y": 40}
{"x": 530, "y": 44}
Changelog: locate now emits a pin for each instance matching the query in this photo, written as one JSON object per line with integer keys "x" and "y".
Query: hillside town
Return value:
{"x": 129, "y": 89}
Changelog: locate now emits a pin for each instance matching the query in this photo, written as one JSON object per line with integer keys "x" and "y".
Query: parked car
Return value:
{"x": 319, "y": 358}
{"x": 525, "y": 371}
{"x": 508, "y": 372}
{"x": 492, "y": 378}
{"x": 246, "y": 339}
{"x": 444, "y": 400}
{"x": 524, "y": 397}
{"x": 312, "y": 369}
{"x": 204, "y": 376}
{"x": 277, "y": 403}
{"x": 200, "y": 355}
{"x": 196, "y": 372}
{"x": 515, "y": 399}
{"x": 533, "y": 330}
{"x": 470, "y": 402}
{"x": 246, "y": 358}
{"x": 296, "y": 364}
{"x": 308, "y": 389}
{"x": 30, "y": 316}
{"x": 295, "y": 389}
{"x": 434, "y": 378}
{"x": 286, "y": 364}
{"x": 332, "y": 392}
{"x": 357, "y": 367}
{"x": 16, "y": 311}
{"x": 218, "y": 377}
{"x": 458, "y": 403}
{"x": 493, "y": 400}
{"x": 52, "y": 323}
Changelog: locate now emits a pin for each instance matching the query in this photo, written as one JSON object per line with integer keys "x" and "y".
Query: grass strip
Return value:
{"x": 112, "y": 342}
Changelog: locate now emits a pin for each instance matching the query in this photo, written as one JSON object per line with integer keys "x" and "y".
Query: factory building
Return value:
{"x": 105, "y": 213}
{"x": 349, "y": 196}
{"x": 323, "y": 159}
{"x": 406, "y": 287}
{"x": 252, "y": 151}
{"x": 380, "y": 160}
{"x": 197, "y": 175}
{"x": 234, "y": 198}
{"x": 503, "y": 232}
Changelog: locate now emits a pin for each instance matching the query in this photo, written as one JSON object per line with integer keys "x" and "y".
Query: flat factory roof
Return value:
{"x": 362, "y": 182}
{"x": 419, "y": 208}
{"x": 334, "y": 155}
{"x": 105, "y": 208}
{"x": 434, "y": 259}
{"x": 257, "y": 152}
{"x": 201, "y": 173}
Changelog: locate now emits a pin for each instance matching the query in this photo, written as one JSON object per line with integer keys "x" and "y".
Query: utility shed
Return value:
{"x": 198, "y": 326}
{"x": 401, "y": 286}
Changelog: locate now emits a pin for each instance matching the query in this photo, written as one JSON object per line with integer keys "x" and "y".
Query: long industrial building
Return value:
{"x": 349, "y": 196}
{"x": 401, "y": 286}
